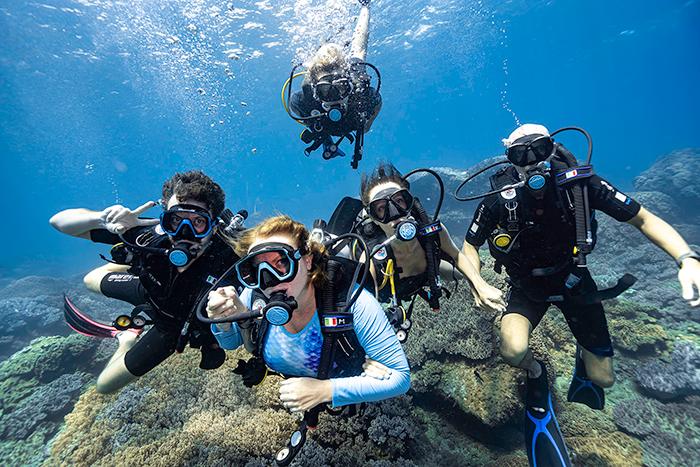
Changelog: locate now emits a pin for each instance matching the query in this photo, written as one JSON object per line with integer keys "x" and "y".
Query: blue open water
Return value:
{"x": 102, "y": 101}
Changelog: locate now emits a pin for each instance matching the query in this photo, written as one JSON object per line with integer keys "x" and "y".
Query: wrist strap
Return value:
{"x": 691, "y": 254}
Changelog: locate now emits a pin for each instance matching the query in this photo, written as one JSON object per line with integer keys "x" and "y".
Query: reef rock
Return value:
{"x": 669, "y": 380}
{"x": 675, "y": 174}
{"x": 670, "y": 431}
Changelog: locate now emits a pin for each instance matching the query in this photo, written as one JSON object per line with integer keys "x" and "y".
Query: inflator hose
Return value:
{"x": 430, "y": 258}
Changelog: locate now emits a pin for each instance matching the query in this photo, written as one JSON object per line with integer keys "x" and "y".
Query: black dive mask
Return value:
{"x": 279, "y": 308}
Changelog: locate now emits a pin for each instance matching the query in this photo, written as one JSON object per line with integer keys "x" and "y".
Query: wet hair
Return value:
{"x": 384, "y": 173}
{"x": 330, "y": 58}
{"x": 300, "y": 236}
{"x": 197, "y": 186}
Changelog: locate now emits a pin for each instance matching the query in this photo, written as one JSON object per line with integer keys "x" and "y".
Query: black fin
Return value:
{"x": 543, "y": 441}
{"x": 582, "y": 390}
{"x": 84, "y": 324}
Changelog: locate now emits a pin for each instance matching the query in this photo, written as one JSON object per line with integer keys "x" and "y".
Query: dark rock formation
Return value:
{"x": 670, "y": 431}
{"x": 675, "y": 174}
{"x": 669, "y": 380}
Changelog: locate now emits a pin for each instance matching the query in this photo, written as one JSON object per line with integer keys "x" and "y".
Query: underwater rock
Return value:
{"x": 48, "y": 403}
{"x": 675, "y": 174}
{"x": 633, "y": 329}
{"x": 670, "y": 432}
{"x": 48, "y": 357}
{"x": 669, "y": 380}
{"x": 459, "y": 328}
{"x": 616, "y": 449}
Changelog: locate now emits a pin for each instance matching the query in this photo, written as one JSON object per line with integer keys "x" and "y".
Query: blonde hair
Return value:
{"x": 328, "y": 59}
{"x": 300, "y": 236}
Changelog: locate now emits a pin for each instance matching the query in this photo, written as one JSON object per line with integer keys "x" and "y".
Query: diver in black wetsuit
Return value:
{"x": 167, "y": 265}
{"x": 336, "y": 100}
{"x": 530, "y": 223}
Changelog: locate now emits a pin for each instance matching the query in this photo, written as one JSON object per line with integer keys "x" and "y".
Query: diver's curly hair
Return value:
{"x": 385, "y": 172}
{"x": 197, "y": 186}
{"x": 330, "y": 58}
{"x": 284, "y": 225}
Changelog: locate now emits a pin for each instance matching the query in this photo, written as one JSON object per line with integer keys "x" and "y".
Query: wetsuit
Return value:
{"x": 152, "y": 279}
{"x": 299, "y": 354}
{"x": 542, "y": 256}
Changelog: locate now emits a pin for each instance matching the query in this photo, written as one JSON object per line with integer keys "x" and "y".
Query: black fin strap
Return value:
{"x": 624, "y": 283}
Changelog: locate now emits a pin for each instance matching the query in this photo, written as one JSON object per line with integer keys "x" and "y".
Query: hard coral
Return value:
{"x": 668, "y": 380}
{"x": 671, "y": 431}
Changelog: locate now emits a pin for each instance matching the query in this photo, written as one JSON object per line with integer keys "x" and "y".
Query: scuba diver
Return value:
{"x": 162, "y": 267}
{"x": 539, "y": 222}
{"x": 411, "y": 251}
{"x": 303, "y": 315}
{"x": 336, "y": 100}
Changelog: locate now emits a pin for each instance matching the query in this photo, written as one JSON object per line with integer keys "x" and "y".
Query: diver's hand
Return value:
{"x": 224, "y": 302}
{"x": 689, "y": 276}
{"x": 374, "y": 369}
{"x": 487, "y": 297}
{"x": 118, "y": 219}
{"x": 302, "y": 394}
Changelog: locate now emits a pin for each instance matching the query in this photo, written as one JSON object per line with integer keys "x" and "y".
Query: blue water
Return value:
{"x": 100, "y": 102}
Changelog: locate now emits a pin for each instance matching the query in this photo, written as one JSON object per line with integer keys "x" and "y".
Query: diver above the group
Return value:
{"x": 336, "y": 99}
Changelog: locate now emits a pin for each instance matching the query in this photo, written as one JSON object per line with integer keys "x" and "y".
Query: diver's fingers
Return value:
{"x": 111, "y": 212}
{"x": 143, "y": 208}
{"x": 689, "y": 278}
{"x": 119, "y": 229}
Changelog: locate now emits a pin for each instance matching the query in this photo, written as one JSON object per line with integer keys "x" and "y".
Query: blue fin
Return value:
{"x": 582, "y": 390}
{"x": 543, "y": 441}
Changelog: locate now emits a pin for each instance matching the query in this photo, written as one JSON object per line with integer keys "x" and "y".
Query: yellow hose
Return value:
{"x": 284, "y": 101}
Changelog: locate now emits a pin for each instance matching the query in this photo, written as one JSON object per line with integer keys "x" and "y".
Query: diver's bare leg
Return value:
{"x": 360, "y": 36}
{"x": 115, "y": 375}
{"x": 599, "y": 369}
{"x": 515, "y": 344}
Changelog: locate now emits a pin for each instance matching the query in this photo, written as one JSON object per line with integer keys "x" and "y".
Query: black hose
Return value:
{"x": 431, "y": 259}
{"x": 442, "y": 188}
{"x": 472, "y": 198}
{"x": 588, "y": 137}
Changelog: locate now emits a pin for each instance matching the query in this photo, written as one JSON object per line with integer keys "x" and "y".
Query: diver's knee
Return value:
{"x": 93, "y": 280}
{"x": 513, "y": 353}
{"x": 604, "y": 381}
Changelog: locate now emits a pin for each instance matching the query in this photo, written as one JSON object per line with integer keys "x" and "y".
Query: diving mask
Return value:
{"x": 390, "y": 204}
{"x": 333, "y": 88}
{"x": 269, "y": 264}
{"x": 526, "y": 151}
{"x": 186, "y": 222}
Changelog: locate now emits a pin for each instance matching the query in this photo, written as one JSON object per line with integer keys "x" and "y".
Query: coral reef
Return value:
{"x": 670, "y": 432}
{"x": 669, "y": 380}
{"x": 632, "y": 328}
{"x": 675, "y": 174}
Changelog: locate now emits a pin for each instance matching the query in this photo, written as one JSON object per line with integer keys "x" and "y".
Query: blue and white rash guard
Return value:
{"x": 299, "y": 354}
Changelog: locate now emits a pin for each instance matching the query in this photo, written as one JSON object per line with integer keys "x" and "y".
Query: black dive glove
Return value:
{"x": 253, "y": 371}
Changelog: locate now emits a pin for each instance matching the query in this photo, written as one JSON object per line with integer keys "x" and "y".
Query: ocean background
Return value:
{"x": 101, "y": 101}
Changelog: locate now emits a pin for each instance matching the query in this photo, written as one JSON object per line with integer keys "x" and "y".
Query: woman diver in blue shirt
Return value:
{"x": 283, "y": 265}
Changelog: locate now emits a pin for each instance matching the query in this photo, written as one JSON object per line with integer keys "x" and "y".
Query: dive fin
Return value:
{"x": 582, "y": 389}
{"x": 543, "y": 441}
{"x": 85, "y": 325}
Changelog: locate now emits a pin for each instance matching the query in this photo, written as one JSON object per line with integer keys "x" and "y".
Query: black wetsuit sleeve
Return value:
{"x": 302, "y": 102}
{"x": 484, "y": 222}
{"x": 608, "y": 199}
{"x": 105, "y": 236}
